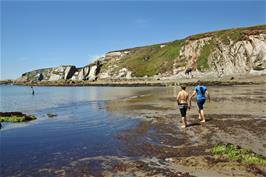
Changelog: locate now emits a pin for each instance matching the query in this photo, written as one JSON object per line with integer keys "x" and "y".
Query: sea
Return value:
{"x": 82, "y": 127}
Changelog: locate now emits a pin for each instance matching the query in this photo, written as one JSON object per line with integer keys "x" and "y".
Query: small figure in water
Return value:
{"x": 32, "y": 90}
{"x": 202, "y": 93}
{"x": 182, "y": 101}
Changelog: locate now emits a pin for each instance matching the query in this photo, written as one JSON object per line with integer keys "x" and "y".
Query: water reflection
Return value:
{"x": 81, "y": 128}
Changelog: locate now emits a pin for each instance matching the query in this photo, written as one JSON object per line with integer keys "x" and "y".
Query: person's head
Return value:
{"x": 199, "y": 82}
{"x": 183, "y": 87}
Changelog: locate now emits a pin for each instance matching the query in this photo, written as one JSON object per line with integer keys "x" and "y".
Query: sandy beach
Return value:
{"x": 235, "y": 115}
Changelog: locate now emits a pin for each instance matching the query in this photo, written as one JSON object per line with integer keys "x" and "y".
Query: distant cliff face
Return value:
{"x": 216, "y": 54}
{"x": 64, "y": 72}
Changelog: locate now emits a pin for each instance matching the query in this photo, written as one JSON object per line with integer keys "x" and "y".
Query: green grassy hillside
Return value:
{"x": 155, "y": 59}
{"x": 152, "y": 60}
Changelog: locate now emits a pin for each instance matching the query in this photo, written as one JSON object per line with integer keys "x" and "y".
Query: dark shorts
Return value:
{"x": 200, "y": 103}
{"x": 183, "y": 109}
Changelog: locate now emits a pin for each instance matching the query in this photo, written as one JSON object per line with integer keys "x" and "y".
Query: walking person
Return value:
{"x": 182, "y": 101}
{"x": 201, "y": 92}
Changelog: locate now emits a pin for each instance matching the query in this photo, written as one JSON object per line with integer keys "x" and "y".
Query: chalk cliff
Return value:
{"x": 215, "y": 54}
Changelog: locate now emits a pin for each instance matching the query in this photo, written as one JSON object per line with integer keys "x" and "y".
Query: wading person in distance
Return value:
{"x": 202, "y": 93}
{"x": 32, "y": 90}
{"x": 182, "y": 101}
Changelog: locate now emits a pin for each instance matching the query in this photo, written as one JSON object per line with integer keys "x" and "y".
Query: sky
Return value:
{"x": 41, "y": 34}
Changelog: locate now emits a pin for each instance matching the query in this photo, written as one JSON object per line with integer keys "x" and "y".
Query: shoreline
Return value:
{"x": 225, "y": 81}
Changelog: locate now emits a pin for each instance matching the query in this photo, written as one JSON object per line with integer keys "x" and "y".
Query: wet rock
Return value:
{"x": 15, "y": 117}
{"x": 50, "y": 115}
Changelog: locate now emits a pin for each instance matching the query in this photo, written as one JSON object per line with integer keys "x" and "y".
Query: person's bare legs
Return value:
{"x": 202, "y": 116}
{"x": 184, "y": 122}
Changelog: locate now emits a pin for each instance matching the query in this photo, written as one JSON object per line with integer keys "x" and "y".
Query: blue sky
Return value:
{"x": 51, "y": 33}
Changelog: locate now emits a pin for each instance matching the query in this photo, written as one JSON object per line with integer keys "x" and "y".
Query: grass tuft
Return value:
{"x": 202, "y": 62}
{"x": 236, "y": 153}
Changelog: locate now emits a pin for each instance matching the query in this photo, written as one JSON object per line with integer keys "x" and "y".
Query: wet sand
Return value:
{"x": 236, "y": 114}
{"x": 158, "y": 146}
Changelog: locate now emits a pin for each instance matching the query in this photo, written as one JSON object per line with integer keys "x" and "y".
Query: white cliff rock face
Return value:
{"x": 69, "y": 70}
{"x": 84, "y": 72}
{"x": 62, "y": 72}
{"x": 55, "y": 77}
{"x": 109, "y": 72}
{"x": 258, "y": 54}
{"x": 104, "y": 75}
{"x": 191, "y": 51}
{"x": 75, "y": 76}
{"x": 124, "y": 73}
{"x": 92, "y": 73}
{"x": 116, "y": 55}
{"x": 112, "y": 72}
{"x": 81, "y": 73}
{"x": 241, "y": 57}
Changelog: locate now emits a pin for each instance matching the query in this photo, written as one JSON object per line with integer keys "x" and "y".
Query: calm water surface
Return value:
{"x": 82, "y": 127}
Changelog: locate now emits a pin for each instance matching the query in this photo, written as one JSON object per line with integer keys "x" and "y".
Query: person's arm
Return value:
{"x": 177, "y": 98}
{"x": 208, "y": 96}
{"x": 188, "y": 100}
{"x": 193, "y": 94}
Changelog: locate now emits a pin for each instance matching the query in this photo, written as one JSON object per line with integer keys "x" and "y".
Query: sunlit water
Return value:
{"x": 85, "y": 127}
{"x": 82, "y": 127}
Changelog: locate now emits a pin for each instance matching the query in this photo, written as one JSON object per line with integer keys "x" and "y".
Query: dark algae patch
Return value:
{"x": 236, "y": 153}
{"x": 15, "y": 117}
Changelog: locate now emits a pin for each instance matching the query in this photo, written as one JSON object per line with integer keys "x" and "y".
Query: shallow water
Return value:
{"x": 91, "y": 120}
{"x": 82, "y": 127}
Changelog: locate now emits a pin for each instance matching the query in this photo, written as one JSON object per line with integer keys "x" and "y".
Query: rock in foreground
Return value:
{"x": 15, "y": 117}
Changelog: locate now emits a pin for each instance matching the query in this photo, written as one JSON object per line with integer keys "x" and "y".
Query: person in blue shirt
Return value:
{"x": 201, "y": 92}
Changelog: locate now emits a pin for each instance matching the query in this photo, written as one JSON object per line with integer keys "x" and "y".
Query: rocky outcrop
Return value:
{"x": 116, "y": 54}
{"x": 15, "y": 117}
{"x": 36, "y": 75}
{"x": 241, "y": 57}
{"x": 62, "y": 72}
{"x": 81, "y": 73}
{"x": 216, "y": 54}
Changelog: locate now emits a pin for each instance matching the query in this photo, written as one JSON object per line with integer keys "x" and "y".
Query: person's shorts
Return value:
{"x": 183, "y": 109}
{"x": 200, "y": 103}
